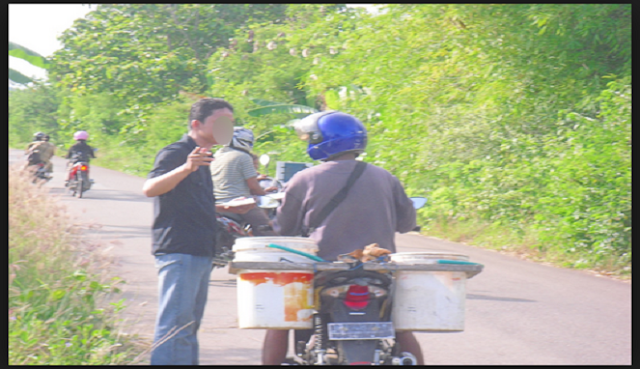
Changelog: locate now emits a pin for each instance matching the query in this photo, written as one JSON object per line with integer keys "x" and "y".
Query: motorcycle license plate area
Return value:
{"x": 361, "y": 331}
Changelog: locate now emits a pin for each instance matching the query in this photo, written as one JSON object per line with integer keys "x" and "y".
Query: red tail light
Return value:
{"x": 83, "y": 168}
{"x": 357, "y": 297}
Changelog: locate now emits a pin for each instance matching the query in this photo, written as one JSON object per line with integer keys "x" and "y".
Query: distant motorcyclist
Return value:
{"x": 47, "y": 150}
{"x": 234, "y": 175}
{"x": 80, "y": 151}
{"x": 40, "y": 151}
{"x": 37, "y": 137}
{"x": 33, "y": 156}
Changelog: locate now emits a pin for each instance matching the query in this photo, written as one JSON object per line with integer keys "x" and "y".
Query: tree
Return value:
{"x": 148, "y": 52}
{"x": 468, "y": 103}
{"x": 33, "y": 109}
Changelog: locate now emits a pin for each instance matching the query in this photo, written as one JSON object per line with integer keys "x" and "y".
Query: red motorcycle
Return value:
{"x": 78, "y": 180}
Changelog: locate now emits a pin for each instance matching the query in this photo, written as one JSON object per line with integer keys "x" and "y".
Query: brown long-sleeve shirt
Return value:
{"x": 375, "y": 208}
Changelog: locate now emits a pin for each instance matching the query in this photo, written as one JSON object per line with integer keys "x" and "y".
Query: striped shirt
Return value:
{"x": 230, "y": 172}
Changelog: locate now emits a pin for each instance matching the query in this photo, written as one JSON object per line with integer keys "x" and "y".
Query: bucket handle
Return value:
{"x": 287, "y": 260}
{"x": 441, "y": 261}
{"x": 312, "y": 257}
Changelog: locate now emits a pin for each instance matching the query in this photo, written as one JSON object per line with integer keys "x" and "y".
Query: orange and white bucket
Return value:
{"x": 274, "y": 299}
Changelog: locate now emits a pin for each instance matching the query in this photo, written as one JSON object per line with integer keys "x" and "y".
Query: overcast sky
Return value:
{"x": 37, "y": 26}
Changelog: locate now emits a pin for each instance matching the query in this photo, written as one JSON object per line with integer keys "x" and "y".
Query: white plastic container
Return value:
{"x": 428, "y": 301}
{"x": 274, "y": 299}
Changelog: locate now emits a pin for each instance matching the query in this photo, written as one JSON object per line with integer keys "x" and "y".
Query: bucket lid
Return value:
{"x": 260, "y": 243}
{"x": 427, "y": 257}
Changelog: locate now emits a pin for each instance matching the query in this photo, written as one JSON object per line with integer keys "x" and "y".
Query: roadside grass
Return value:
{"x": 61, "y": 309}
{"x": 522, "y": 242}
{"x": 124, "y": 159}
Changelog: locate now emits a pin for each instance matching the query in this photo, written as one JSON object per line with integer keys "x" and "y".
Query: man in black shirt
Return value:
{"x": 184, "y": 229}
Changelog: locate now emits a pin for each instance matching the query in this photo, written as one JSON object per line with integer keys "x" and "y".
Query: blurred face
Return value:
{"x": 217, "y": 128}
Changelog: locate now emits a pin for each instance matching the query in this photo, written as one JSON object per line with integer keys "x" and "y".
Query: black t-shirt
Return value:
{"x": 81, "y": 150}
{"x": 185, "y": 217}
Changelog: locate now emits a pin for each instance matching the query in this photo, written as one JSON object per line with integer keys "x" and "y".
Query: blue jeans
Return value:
{"x": 182, "y": 289}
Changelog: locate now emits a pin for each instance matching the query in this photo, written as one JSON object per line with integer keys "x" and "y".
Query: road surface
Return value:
{"x": 518, "y": 312}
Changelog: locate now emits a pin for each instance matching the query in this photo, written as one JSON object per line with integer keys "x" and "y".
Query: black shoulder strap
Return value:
{"x": 337, "y": 199}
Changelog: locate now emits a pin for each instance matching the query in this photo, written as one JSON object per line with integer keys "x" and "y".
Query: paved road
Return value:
{"x": 518, "y": 312}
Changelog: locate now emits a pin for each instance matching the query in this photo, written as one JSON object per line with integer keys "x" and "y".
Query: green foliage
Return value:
{"x": 30, "y": 56}
{"x": 134, "y": 59}
{"x": 96, "y": 113}
{"x": 469, "y": 97}
{"x": 282, "y": 109}
{"x": 33, "y": 109}
{"x": 18, "y": 77}
{"x": 148, "y": 52}
{"x": 513, "y": 119}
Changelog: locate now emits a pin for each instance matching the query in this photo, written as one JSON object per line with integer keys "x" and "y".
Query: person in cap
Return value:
{"x": 234, "y": 176}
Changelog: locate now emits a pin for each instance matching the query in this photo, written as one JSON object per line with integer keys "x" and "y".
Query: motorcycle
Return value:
{"x": 78, "y": 180}
{"x": 229, "y": 229}
{"x": 38, "y": 167}
{"x": 41, "y": 173}
{"x": 353, "y": 323}
{"x": 266, "y": 202}
{"x": 271, "y": 201}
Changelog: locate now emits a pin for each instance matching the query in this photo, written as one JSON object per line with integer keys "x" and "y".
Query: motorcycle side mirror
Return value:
{"x": 264, "y": 159}
{"x": 418, "y": 202}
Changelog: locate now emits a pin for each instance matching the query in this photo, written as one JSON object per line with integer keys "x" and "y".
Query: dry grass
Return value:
{"x": 59, "y": 287}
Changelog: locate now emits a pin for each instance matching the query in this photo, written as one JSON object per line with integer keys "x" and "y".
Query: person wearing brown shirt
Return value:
{"x": 375, "y": 208}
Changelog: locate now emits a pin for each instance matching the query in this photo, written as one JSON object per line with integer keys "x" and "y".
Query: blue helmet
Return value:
{"x": 330, "y": 133}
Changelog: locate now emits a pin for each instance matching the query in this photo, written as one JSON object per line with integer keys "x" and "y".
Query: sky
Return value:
{"x": 37, "y": 26}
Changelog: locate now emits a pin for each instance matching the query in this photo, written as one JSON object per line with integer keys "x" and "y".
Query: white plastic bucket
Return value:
{"x": 428, "y": 301}
{"x": 274, "y": 299}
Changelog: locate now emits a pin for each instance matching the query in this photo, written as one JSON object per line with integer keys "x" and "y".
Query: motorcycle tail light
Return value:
{"x": 357, "y": 297}
{"x": 337, "y": 291}
{"x": 83, "y": 168}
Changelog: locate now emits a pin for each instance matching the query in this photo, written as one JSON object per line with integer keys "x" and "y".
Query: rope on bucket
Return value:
{"x": 312, "y": 257}
{"x": 444, "y": 261}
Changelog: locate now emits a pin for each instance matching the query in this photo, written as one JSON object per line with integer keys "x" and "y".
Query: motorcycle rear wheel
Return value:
{"x": 78, "y": 190}
{"x": 71, "y": 187}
